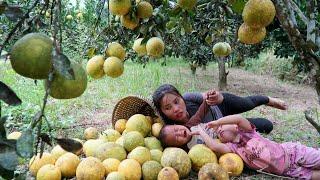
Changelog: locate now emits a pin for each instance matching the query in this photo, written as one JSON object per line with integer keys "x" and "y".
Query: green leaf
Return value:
{"x": 6, "y": 174}
{"x": 69, "y": 144}
{"x": 25, "y": 144}
{"x": 91, "y": 52}
{"x": 3, "y": 134}
{"x": 62, "y": 65}
{"x": 8, "y": 95}
{"x": 8, "y": 157}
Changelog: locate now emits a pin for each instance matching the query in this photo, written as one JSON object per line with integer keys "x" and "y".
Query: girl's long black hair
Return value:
{"x": 159, "y": 94}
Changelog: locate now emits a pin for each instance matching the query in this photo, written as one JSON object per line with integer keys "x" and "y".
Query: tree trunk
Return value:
{"x": 299, "y": 43}
{"x": 222, "y": 84}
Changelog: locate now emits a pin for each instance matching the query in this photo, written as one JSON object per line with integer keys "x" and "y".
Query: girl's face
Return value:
{"x": 174, "y": 107}
{"x": 177, "y": 135}
{"x": 227, "y": 133}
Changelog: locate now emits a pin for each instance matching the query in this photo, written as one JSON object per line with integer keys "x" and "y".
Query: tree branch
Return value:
{"x": 311, "y": 26}
{"x": 311, "y": 120}
{"x": 299, "y": 12}
{"x": 291, "y": 12}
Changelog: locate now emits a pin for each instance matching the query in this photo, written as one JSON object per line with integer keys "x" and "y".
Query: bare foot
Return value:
{"x": 277, "y": 103}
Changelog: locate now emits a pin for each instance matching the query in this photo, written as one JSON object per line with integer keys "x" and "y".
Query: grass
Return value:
{"x": 95, "y": 106}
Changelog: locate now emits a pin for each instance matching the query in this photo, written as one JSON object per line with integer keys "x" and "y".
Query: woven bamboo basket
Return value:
{"x": 131, "y": 105}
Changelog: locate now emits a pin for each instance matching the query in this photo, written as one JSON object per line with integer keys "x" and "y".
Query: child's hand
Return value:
{"x": 214, "y": 97}
{"x": 213, "y": 124}
{"x": 192, "y": 133}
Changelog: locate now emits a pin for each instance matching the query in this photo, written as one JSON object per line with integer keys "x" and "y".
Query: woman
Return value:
{"x": 177, "y": 109}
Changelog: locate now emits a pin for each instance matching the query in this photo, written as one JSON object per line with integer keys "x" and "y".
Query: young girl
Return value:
{"x": 239, "y": 136}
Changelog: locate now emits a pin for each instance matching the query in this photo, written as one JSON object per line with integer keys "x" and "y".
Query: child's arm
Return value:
{"x": 242, "y": 122}
{"x": 213, "y": 144}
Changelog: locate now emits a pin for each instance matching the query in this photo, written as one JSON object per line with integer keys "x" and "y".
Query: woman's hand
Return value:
{"x": 213, "y": 97}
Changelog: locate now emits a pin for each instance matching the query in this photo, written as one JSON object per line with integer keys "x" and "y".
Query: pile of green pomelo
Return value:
{"x": 132, "y": 151}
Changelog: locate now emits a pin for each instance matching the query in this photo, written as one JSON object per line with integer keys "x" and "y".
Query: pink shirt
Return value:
{"x": 258, "y": 152}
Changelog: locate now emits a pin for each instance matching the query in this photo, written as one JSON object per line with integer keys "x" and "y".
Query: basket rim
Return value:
{"x": 141, "y": 98}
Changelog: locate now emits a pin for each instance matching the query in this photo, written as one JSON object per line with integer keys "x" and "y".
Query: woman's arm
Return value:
{"x": 242, "y": 122}
{"x": 213, "y": 144}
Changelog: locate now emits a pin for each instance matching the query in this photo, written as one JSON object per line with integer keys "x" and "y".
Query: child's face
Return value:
{"x": 177, "y": 135}
{"x": 174, "y": 107}
{"x": 227, "y": 133}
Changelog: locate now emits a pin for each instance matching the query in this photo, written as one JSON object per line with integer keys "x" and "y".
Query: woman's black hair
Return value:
{"x": 159, "y": 94}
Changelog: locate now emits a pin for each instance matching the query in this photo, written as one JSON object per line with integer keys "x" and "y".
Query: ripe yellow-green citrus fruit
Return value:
{"x": 128, "y": 22}
{"x": 132, "y": 140}
{"x": 152, "y": 143}
{"x": 111, "y": 165}
{"x": 249, "y": 35}
{"x": 120, "y": 125}
{"x": 258, "y": 13}
{"x": 178, "y": 159}
{"x": 62, "y": 88}
{"x": 228, "y": 48}
{"x": 91, "y": 133}
{"x": 155, "y": 47}
{"x": 90, "y": 147}
{"x": 119, "y": 7}
{"x": 156, "y": 128}
{"x": 49, "y": 171}
{"x": 115, "y": 49}
{"x": 232, "y": 163}
{"x": 156, "y": 155}
{"x": 57, "y": 151}
{"x": 48, "y": 15}
{"x": 110, "y": 135}
{"x": 115, "y": 176}
{"x": 150, "y": 170}
{"x": 144, "y": 10}
{"x": 120, "y": 141}
{"x": 139, "y": 48}
{"x": 167, "y": 173}
{"x": 201, "y": 155}
{"x": 90, "y": 168}
{"x": 187, "y": 4}
{"x": 68, "y": 163}
{"x": 36, "y": 163}
{"x": 219, "y": 49}
{"x": 31, "y": 56}
{"x": 212, "y": 171}
{"x": 131, "y": 169}
{"x": 110, "y": 150}
{"x": 69, "y": 17}
{"x": 113, "y": 67}
{"x": 14, "y": 135}
{"x": 138, "y": 122}
{"x": 95, "y": 67}
{"x": 141, "y": 154}
{"x": 80, "y": 15}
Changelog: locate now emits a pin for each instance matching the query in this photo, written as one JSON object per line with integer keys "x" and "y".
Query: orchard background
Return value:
{"x": 284, "y": 64}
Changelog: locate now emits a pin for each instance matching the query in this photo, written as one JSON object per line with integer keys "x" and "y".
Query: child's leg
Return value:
{"x": 304, "y": 161}
{"x": 308, "y": 157}
{"x": 315, "y": 175}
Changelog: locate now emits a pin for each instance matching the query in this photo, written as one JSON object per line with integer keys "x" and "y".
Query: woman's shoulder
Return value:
{"x": 192, "y": 96}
